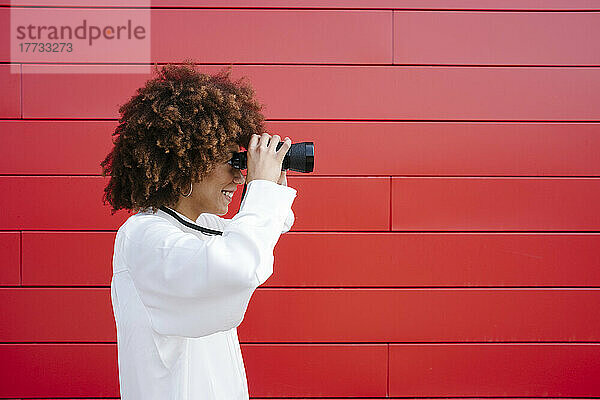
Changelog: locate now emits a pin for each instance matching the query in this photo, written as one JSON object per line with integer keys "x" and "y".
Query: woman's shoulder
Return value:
{"x": 148, "y": 227}
{"x": 145, "y": 226}
{"x": 146, "y": 238}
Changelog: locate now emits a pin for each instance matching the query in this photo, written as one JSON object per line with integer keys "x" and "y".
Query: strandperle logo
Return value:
{"x": 80, "y": 40}
{"x": 82, "y": 32}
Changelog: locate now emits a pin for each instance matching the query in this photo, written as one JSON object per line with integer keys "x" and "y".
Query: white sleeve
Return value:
{"x": 223, "y": 222}
{"x": 193, "y": 287}
{"x": 289, "y": 221}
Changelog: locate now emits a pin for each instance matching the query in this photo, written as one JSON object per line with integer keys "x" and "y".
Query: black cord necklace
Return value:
{"x": 202, "y": 229}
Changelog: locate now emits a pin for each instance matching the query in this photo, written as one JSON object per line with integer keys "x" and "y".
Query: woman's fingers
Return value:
{"x": 287, "y": 143}
{"x": 253, "y": 141}
{"x": 282, "y": 178}
{"x": 273, "y": 143}
{"x": 264, "y": 140}
{"x": 264, "y": 159}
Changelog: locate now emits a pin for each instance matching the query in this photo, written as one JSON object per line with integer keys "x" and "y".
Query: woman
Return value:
{"x": 182, "y": 275}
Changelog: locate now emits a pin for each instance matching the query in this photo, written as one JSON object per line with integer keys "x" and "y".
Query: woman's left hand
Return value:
{"x": 282, "y": 178}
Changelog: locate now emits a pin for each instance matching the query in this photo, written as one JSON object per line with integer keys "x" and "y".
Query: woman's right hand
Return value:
{"x": 264, "y": 161}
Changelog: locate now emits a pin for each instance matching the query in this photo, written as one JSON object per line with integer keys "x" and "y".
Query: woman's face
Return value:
{"x": 214, "y": 193}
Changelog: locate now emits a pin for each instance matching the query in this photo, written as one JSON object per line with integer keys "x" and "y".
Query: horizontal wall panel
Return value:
{"x": 10, "y": 82}
{"x": 40, "y": 313}
{"x": 309, "y": 36}
{"x": 90, "y": 370}
{"x": 340, "y": 204}
{"x": 449, "y": 148}
{"x": 54, "y": 147}
{"x": 351, "y": 370}
{"x": 511, "y": 204}
{"x": 386, "y": 92}
{"x": 396, "y": 148}
{"x": 213, "y": 36}
{"x": 10, "y": 256}
{"x": 67, "y": 258}
{"x": 316, "y": 370}
{"x": 68, "y": 203}
{"x": 80, "y": 101}
{"x": 402, "y": 4}
{"x": 341, "y": 4}
{"x": 434, "y": 259}
{"x": 334, "y": 315}
{"x": 59, "y": 370}
{"x": 500, "y": 38}
{"x": 421, "y": 315}
{"x": 495, "y": 370}
{"x": 339, "y": 259}
{"x": 75, "y": 203}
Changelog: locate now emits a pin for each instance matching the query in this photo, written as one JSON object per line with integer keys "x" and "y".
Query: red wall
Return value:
{"x": 445, "y": 246}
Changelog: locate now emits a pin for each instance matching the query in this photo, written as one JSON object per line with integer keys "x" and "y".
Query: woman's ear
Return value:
{"x": 187, "y": 192}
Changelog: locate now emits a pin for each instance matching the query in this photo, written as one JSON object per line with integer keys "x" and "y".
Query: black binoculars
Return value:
{"x": 300, "y": 158}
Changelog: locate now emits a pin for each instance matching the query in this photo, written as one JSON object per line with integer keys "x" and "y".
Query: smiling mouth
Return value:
{"x": 228, "y": 194}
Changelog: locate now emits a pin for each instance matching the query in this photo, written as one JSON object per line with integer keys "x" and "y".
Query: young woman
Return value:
{"x": 182, "y": 275}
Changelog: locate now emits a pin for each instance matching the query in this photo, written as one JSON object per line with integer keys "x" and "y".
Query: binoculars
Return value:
{"x": 300, "y": 158}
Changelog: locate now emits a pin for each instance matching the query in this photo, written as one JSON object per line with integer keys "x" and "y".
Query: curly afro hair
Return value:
{"x": 173, "y": 131}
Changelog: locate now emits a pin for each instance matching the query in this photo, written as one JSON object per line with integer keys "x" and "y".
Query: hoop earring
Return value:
{"x": 188, "y": 195}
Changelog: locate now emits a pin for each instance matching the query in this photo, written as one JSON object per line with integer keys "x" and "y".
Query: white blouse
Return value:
{"x": 178, "y": 296}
